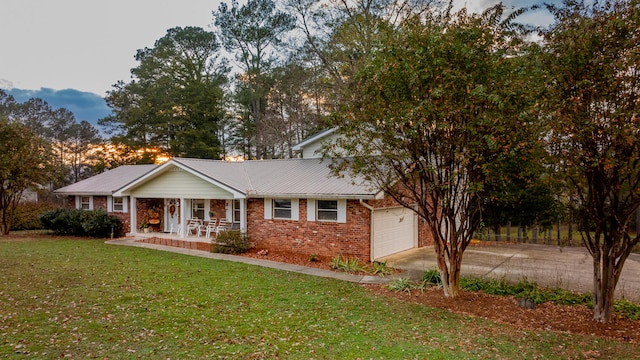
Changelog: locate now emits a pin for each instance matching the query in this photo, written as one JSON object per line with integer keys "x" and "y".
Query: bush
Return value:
{"x": 350, "y": 265}
{"x": 432, "y": 277}
{"x": 404, "y": 285}
{"x": 231, "y": 242}
{"x": 26, "y": 215}
{"x": 99, "y": 224}
{"x": 96, "y": 223}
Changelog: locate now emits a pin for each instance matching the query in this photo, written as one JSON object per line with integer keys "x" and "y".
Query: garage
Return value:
{"x": 394, "y": 229}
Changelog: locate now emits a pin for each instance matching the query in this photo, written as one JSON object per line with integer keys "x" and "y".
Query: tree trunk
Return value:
{"x": 450, "y": 275}
{"x": 603, "y": 288}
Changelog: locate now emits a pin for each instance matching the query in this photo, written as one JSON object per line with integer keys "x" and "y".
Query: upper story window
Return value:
{"x": 282, "y": 208}
{"x": 327, "y": 210}
{"x": 118, "y": 204}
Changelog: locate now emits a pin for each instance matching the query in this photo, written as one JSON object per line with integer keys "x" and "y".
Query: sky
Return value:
{"x": 60, "y": 50}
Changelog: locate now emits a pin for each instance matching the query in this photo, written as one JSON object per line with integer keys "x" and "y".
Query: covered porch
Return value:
{"x": 186, "y": 218}
{"x": 171, "y": 197}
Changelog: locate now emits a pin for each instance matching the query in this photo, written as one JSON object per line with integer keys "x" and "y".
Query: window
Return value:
{"x": 85, "y": 202}
{"x": 118, "y": 204}
{"x": 281, "y": 208}
{"x": 327, "y": 210}
{"x": 197, "y": 208}
{"x": 236, "y": 210}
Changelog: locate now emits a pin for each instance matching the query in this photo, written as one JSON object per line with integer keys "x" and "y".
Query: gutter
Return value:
{"x": 371, "y": 237}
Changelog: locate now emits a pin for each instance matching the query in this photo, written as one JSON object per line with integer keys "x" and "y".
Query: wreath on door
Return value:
{"x": 172, "y": 209}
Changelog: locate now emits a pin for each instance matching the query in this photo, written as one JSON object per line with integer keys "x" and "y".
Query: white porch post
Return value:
{"x": 243, "y": 215}
{"x": 183, "y": 219}
{"x": 133, "y": 213}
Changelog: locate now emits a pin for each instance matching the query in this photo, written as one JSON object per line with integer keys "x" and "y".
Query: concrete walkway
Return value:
{"x": 362, "y": 279}
{"x": 552, "y": 266}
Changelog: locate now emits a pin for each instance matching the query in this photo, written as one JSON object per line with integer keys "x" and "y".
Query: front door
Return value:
{"x": 171, "y": 214}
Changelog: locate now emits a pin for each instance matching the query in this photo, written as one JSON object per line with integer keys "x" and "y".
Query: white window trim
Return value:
{"x": 312, "y": 213}
{"x": 268, "y": 209}
{"x": 79, "y": 202}
{"x": 110, "y": 204}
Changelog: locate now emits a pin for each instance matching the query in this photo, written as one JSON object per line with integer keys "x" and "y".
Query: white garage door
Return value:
{"x": 394, "y": 230}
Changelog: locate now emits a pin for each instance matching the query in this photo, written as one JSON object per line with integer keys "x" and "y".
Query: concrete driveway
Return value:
{"x": 565, "y": 267}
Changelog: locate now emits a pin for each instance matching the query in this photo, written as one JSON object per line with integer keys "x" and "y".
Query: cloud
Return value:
{"x": 84, "y": 105}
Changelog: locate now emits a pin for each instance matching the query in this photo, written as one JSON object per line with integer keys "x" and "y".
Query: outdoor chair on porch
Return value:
{"x": 211, "y": 227}
{"x": 224, "y": 225}
{"x": 193, "y": 226}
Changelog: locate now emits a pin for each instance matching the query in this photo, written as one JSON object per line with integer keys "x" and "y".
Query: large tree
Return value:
{"x": 594, "y": 105}
{"x": 253, "y": 32}
{"x": 25, "y": 163}
{"x": 430, "y": 112}
{"x": 174, "y": 102}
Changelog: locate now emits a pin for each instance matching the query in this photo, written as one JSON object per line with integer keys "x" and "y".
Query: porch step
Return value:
{"x": 196, "y": 245}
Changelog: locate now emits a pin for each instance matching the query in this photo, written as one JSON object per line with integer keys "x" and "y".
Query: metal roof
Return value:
{"x": 296, "y": 178}
{"x": 108, "y": 182}
{"x": 280, "y": 178}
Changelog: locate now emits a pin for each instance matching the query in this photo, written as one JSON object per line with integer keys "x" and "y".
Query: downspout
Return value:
{"x": 371, "y": 237}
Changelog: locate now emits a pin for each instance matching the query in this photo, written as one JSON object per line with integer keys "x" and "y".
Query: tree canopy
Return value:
{"x": 175, "y": 101}
{"x": 26, "y": 162}
{"x": 594, "y": 106}
{"x": 431, "y": 112}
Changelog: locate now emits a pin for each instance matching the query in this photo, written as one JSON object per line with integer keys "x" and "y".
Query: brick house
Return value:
{"x": 289, "y": 204}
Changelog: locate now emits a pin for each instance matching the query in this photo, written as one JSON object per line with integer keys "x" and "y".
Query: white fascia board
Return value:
{"x": 314, "y": 196}
{"x": 307, "y": 141}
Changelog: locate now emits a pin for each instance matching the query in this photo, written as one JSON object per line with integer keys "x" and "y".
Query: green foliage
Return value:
{"x": 432, "y": 277}
{"x": 525, "y": 290}
{"x": 347, "y": 264}
{"x": 75, "y": 299}
{"x": 404, "y": 284}
{"x": 99, "y": 224}
{"x": 25, "y": 160}
{"x": 627, "y": 309}
{"x": 26, "y": 215}
{"x": 76, "y": 222}
{"x": 592, "y": 105}
{"x": 450, "y": 97}
{"x": 381, "y": 268}
{"x": 175, "y": 101}
{"x": 231, "y": 242}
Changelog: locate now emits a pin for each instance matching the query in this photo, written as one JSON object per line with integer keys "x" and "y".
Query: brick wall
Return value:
{"x": 125, "y": 218}
{"x": 100, "y": 203}
{"x": 311, "y": 237}
{"x": 219, "y": 207}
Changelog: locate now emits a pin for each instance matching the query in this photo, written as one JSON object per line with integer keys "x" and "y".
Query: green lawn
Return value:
{"x": 84, "y": 299}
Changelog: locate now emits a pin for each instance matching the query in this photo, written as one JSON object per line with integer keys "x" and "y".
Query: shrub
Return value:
{"x": 99, "y": 224}
{"x": 627, "y": 309}
{"x": 96, "y": 223}
{"x": 405, "y": 285}
{"x": 26, "y": 215}
{"x": 231, "y": 242}
{"x": 381, "y": 268}
{"x": 432, "y": 277}
{"x": 350, "y": 265}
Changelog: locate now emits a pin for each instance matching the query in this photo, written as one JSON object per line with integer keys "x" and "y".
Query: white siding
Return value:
{"x": 179, "y": 184}
{"x": 312, "y": 150}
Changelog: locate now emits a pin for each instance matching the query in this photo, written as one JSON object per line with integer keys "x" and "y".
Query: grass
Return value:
{"x": 84, "y": 299}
